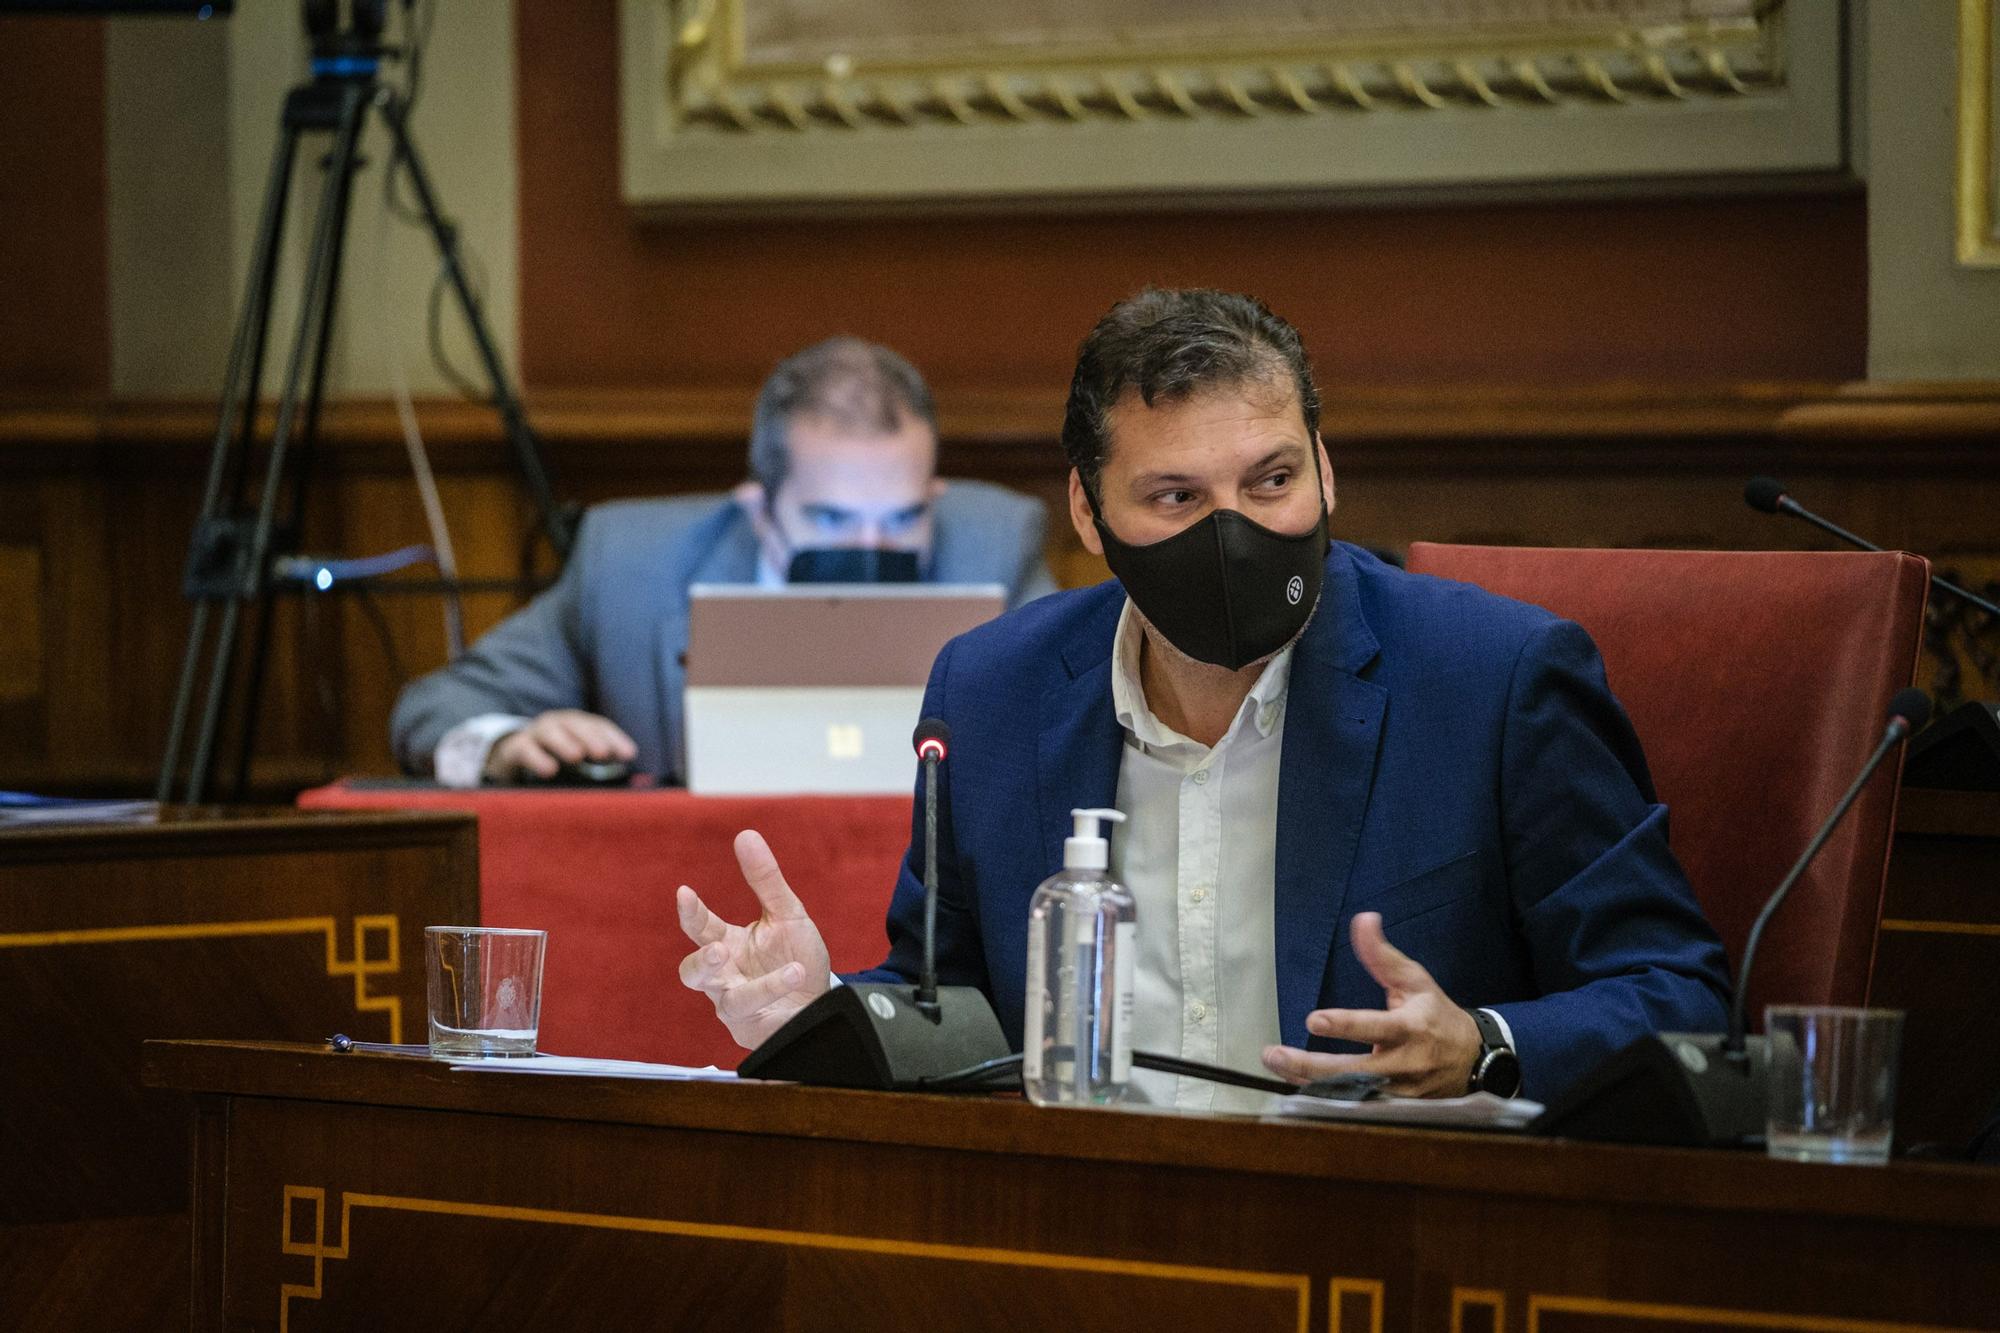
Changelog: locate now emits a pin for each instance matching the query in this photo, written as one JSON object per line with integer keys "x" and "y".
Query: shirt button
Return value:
{"x": 1200, "y": 1011}
{"x": 1199, "y": 894}
{"x": 1200, "y": 776}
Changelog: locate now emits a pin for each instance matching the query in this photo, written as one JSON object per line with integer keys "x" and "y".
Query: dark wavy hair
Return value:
{"x": 1171, "y": 345}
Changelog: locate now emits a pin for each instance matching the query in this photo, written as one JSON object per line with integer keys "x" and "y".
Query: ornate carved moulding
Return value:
{"x": 760, "y": 102}
{"x": 792, "y": 66}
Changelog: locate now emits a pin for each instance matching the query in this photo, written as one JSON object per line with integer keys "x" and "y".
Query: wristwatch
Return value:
{"x": 1498, "y": 1069}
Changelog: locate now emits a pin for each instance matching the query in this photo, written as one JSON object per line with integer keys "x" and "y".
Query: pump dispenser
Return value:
{"x": 1082, "y": 947}
{"x": 1086, "y": 848}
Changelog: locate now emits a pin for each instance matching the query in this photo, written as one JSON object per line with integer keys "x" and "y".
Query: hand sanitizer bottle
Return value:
{"x": 1082, "y": 944}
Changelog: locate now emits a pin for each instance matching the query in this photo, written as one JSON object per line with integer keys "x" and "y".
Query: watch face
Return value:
{"x": 1500, "y": 1073}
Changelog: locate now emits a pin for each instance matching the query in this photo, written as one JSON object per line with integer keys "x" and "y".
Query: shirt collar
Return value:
{"x": 1264, "y": 705}
{"x": 768, "y": 574}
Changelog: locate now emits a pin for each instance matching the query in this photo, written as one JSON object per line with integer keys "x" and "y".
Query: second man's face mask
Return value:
{"x": 1225, "y": 590}
{"x": 852, "y": 564}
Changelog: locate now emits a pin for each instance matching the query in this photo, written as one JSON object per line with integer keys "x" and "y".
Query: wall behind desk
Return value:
{"x": 1564, "y": 372}
{"x": 1637, "y": 290}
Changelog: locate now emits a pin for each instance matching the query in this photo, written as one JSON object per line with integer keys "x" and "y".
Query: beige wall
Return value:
{"x": 193, "y": 114}
{"x": 1929, "y": 318}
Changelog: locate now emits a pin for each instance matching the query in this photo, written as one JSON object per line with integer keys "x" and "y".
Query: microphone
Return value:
{"x": 1700, "y": 1089}
{"x": 888, "y": 1036}
{"x": 1767, "y": 494}
{"x": 1908, "y": 712}
{"x": 933, "y": 742}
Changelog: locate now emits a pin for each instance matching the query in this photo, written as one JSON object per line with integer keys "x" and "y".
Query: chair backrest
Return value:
{"x": 1758, "y": 682}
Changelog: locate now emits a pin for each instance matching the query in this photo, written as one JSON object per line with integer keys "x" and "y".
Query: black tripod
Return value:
{"x": 234, "y": 546}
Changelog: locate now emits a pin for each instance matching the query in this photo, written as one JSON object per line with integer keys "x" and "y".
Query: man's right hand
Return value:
{"x": 559, "y": 736}
{"x": 761, "y": 974}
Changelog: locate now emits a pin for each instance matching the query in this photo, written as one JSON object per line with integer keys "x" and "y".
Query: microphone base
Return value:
{"x": 874, "y": 1036}
{"x": 1676, "y": 1089}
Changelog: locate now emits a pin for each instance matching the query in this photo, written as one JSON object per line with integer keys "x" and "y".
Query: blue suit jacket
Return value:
{"x": 1452, "y": 759}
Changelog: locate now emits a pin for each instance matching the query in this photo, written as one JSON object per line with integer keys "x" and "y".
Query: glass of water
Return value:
{"x": 1833, "y": 1082}
{"x": 485, "y": 990}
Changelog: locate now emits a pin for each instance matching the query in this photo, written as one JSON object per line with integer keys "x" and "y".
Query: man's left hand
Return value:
{"x": 1423, "y": 1043}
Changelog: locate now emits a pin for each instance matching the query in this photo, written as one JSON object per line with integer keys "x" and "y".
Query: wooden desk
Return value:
{"x": 358, "y": 1191}
{"x": 210, "y": 923}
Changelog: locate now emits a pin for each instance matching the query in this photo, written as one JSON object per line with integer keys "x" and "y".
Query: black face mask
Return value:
{"x": 852, "y": 564}
{"x": 1226, "y": 590}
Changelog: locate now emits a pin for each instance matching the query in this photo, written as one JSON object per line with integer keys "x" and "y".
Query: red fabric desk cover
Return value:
{"x": 598, "y": 870}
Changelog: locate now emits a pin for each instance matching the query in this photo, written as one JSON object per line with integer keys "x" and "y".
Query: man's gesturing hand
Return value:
{"x": 761, "y": 974}
{"x": 1424, "y": 1043}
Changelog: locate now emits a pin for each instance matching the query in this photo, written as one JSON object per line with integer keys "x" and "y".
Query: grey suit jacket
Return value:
{"x": 608, "y": 637}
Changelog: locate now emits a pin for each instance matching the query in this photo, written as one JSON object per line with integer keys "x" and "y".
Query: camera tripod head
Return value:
{"x": 346, "y": 35}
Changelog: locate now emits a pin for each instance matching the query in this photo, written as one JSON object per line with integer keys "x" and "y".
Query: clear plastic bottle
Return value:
{"x": 1082, "y": 944}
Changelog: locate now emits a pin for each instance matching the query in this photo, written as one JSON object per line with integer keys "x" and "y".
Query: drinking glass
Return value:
{"x": 1833, "y": 1082}
{"x": 485, "y": 990}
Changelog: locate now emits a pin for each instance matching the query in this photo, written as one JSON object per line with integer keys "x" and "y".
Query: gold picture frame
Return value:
{"x": 1978, "y": 237}
{"x": 714, "y": 120}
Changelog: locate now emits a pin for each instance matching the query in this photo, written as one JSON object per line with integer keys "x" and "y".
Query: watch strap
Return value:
{"x": 1497, "y": 1064}
{"x": 1490, "y": 1032}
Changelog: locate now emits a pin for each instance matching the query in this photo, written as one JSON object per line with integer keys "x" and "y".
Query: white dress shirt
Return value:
{"x": 1198, "y": 850}
{"x": 460, "y": 757}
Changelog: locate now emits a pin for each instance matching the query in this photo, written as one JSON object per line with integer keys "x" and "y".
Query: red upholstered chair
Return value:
{"x": 1758, "y": 682}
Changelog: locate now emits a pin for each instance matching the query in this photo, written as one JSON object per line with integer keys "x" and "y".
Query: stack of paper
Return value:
{"x": 20, "y": 807}
{"x": 572, "y": 1064}
{"x": 1482, "y": 1110}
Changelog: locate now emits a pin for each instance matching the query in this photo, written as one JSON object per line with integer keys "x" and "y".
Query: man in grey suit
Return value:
{"x": 843, "y": 458}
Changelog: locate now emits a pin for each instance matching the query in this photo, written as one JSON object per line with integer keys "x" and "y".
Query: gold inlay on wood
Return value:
{"x": 320, "y": 1251}
{"x": 360, "y": 967}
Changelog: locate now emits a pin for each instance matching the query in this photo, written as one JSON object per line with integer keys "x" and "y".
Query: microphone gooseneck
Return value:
{"x": 1908, "y": 712}
{"x": 933, "y": 742}
{"x": 1767, "y": 495}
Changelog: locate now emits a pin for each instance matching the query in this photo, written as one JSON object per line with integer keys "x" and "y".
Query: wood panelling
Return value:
{"x": 1648, "y": 290}
{"x": 106, "y": 495}
{"x": 245, "y": 923}
{"x": 21, "y": 646}
{"x": 610, "y": 1203}
{"x": 54, "y": 303}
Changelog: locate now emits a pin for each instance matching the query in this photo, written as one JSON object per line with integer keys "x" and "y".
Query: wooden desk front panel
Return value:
{"x": 332, "y": 1216}
{"x": 287, "y": 927}
{"x": 1937, "y": 957}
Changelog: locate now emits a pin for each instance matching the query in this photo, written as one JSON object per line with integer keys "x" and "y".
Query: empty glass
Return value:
{"x": 1833, "y": 1082}
{"x": 485, "y": 990}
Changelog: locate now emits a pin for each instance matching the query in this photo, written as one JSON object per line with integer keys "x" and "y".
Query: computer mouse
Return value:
{"x": 592, "y": 773}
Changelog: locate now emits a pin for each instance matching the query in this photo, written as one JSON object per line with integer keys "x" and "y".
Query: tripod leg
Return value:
{"x": 252, "y": 585}
{"x": 246, "y": 346}
{"x": 520, "y": 436}
{"x": 306, "y": 452}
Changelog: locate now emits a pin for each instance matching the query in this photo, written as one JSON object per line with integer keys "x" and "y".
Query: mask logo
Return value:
{"x": 1295, "y": 590}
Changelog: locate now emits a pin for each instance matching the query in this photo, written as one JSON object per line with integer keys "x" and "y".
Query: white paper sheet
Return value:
{"x": 581, "y": 1065}
{"x": 1482, "y": 1110}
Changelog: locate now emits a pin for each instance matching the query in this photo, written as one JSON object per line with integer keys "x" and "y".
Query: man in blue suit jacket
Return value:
{"x": 1307, "y": 778}
{"x": 843, "y": 453}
